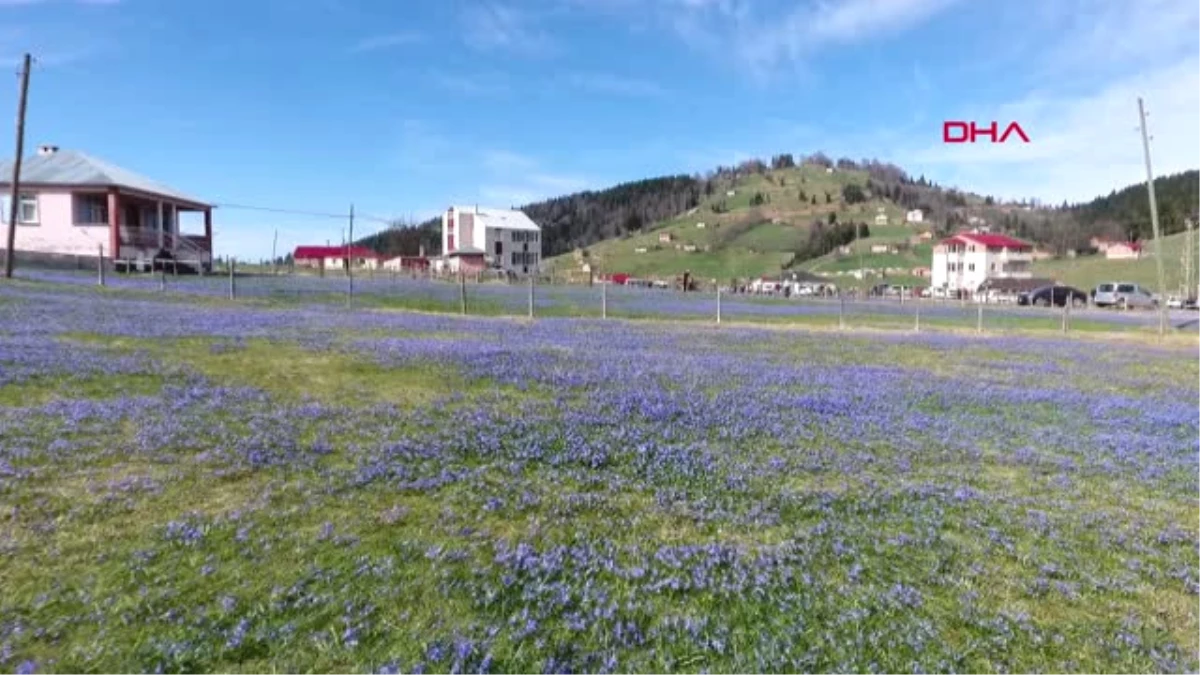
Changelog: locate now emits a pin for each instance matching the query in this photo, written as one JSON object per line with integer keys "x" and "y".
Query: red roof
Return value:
{"x": 989, "y": 240}
{"x": 1133, "y": 245}
{"x": 319, "y": 252}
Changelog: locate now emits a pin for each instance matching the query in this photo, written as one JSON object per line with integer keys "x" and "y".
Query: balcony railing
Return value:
{"x": 185, "y": 246}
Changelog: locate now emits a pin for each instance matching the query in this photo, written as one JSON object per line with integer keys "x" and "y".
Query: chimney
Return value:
{"x": 47, "y": 150}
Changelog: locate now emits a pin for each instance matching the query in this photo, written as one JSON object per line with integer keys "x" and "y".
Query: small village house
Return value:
{"x": 407, "y": 263}
{"x": 664, "y": 237}
{"x": 1123, "y": 250}
{"x": 921, "y": 272}
{"x": 883, "y": 248}
{"x": 507, "y": 239}
{"x": 72, "y": 205}
{"x": 701, "y": 226}
{"x": 914, "y": 216}
{"x": 881, "y": 219}
{"x": 963, "y": 262}
{"x": 466, "y": 261}
{"x": 331, "y": 258}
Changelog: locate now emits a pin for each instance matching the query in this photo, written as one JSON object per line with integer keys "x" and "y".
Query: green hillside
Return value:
{"x": 752, "y": 232}
{"x": 1088, "y": 271}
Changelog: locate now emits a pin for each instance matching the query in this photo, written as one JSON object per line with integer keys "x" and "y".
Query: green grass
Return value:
{"x": 88, "y": 568}
{"x": 1089, "y": 271}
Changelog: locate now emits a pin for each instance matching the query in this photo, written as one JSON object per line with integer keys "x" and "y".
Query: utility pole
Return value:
{"x": 15, "y": 204}
{"x": 862, "y": 271}
{"x": 1158, "y": 261}
{"x": 1185, "y": 290}
{"x": 349, "y": 262}
{"x": 274, "y": 243}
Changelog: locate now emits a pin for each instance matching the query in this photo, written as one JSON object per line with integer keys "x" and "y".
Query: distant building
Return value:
{"x": 1123, "y": 250}
{"x": 507, "y": 239}
{"x": 914, "y": 216}
{"x": 701, "y": 226}
{"x": 336, "y": 257}
{"x": 963, "y": 262}
{"x": 689, "y": 248}
{"x": 466, "y": 261}
{"x": 664, "y": 238}
{"x": 883, "y": 248}
{"x": 407, "y": 263}
{"x": 922, "y": 272}
{"x": 640, "y": 249}
{"x": 881, "y": 219}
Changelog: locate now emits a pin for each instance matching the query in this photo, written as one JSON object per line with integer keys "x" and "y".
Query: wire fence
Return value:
{"x": 528, "y": 297}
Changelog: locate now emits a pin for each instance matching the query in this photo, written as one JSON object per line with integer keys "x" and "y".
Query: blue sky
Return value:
{"x": 403, "y": 107}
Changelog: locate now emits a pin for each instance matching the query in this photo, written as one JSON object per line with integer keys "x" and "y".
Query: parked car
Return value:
{"x": 1053, "y": 295}
{"x": 1180, "y": 302}
{"x": 1123, "y": 295}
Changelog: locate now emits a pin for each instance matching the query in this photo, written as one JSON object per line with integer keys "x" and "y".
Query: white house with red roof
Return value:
{"x": 966, "y": 260}
{"x": 336, "y": 257}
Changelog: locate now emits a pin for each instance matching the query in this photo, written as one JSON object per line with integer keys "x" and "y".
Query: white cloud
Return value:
{"x": 616, "y": 85}
{"x": 472, "y": 85}
{"x": 378, "y": 42}
{"x": 1080, "y": 146}
{"x": 494, "y": 26}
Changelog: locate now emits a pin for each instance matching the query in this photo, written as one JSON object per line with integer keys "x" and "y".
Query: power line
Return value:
{"x": 313, "y": 214}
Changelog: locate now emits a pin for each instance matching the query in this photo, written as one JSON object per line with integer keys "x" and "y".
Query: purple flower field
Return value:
{"x": 199, "y": 486}
{"x": 581, "y": 301}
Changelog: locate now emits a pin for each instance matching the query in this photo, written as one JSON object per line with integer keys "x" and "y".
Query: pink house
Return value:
{"x": 75, "y": 205}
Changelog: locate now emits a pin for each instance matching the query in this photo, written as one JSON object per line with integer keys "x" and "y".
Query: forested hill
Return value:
{"x": 1127, "y": 212}
{"x": 569, "y": 222}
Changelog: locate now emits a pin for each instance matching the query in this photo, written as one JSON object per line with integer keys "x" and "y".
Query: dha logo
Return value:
{"x": 967, "y": 132}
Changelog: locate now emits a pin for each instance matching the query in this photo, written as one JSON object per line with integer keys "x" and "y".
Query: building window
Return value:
{"x": 27, "y": 209}
{"x": 513, "y": 256}
{"x": 449, "y": 242}
{"x": 91, "y": 210}
{"x": 499, "y": 248}
{"x": 971, "y": 267}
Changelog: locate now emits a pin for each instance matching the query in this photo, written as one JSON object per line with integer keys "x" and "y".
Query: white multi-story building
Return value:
{"x": 508, "y": 239}
{"x": 966, "y": 260}
{"x": 915, "y": 216}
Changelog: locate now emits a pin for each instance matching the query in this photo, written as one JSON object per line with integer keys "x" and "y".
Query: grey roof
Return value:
{"x": 70, "y": 167}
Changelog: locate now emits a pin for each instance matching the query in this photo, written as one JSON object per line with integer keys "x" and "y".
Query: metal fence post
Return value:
{"x": 100, "y": 265}
{"x": 718, "y": 304}
{"x": 979, "y": 319}
{"x": 841, "y": 311}
{"x": 462, "y": 293}
{"x": 531, "y": 296}
{"x": 162, "y": 277}
{"x": 232, "y": 282}
{"x": 1066, "y": 321}
{"x": 603, "y": 300}
{"x": 917, "y": 325}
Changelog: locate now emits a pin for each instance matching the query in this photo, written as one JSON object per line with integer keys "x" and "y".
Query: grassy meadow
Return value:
{"x": 188, "y": 484}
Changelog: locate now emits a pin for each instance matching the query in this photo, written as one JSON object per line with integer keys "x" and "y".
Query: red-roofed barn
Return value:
{"x": 335, "y": 257}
